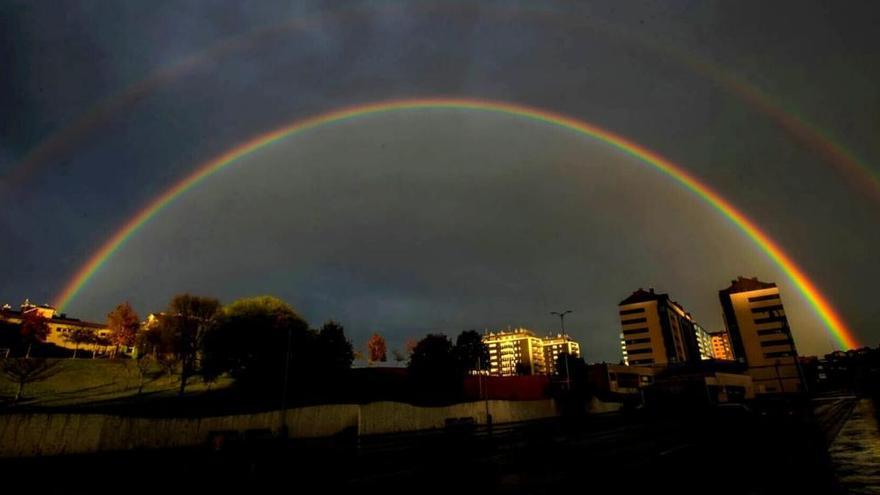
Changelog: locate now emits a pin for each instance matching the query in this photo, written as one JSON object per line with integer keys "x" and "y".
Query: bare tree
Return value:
{"x": 141, "y": 366}
{"x": 22, "y": 371}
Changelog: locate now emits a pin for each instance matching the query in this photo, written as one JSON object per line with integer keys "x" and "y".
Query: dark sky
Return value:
{"x": 440, "y": 220}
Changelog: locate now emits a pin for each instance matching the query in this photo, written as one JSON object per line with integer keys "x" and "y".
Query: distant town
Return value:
{"x": 661, "y": 344}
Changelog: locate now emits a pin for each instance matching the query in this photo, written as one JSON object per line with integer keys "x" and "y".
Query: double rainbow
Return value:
{"x": 820, "y": 304}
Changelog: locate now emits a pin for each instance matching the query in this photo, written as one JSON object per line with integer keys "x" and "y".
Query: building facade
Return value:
{"x": 61, "y": 327}
{"x": 721, "y": 346}
{"x": 515, "y": 352}
{"x": 656, "y": 330}
{"x": 521, "y": 352}
{"x": 554, "y": 346}
{"x": 760, "y": 336}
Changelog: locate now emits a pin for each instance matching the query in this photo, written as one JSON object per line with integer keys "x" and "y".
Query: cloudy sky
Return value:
{"x": 442, "y": 220}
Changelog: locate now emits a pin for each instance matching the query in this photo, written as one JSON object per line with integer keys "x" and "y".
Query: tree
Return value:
{"x": 434, "y": 369}
{"x": 399, "y": 357}
{"x": 34, "y": 329}
{"x": 22, "y": 371}
{"x": 334, "y": 351}
{"x": 377, "y": 348}
{"x": 141, "y": 366}
{"x": 260, "y": 341}
{"x": 183, "y": 328}
{"x": 123, "y": 323}
{"x": 470, "y": 351}
{"x": 79, "y": 336}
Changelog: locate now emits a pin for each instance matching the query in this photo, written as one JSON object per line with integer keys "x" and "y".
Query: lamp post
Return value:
{"x": 561, "y": 315}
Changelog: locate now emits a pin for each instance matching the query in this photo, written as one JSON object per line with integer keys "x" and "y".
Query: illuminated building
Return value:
{"x": 556, "y": 345}
{"x": 704, "y": 342}
{"x": 721, "y": 346}
{"x": 760, "y": 336}
{"x": 657, "y": 331}
{"x": 516, "y": 352}
{"x": 60, "y": 326}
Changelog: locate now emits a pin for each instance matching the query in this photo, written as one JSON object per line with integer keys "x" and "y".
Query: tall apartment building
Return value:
{"x": 721, "y": 346}
{"x": 760, "y": 336}
{"x": 704, "y": 342}
{"x": 516, "y": 352}
{"x": 656, "y": 330}
{"x": 556, "y": 345}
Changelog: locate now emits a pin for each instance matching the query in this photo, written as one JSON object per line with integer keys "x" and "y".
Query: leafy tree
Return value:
{"x": 255, "y": 339}
{"x": 377, "y": 348}
{"x": 334, "y": 351}
{"x": 470, "y": 351}
{"x": 434, "y": 369}
{"x": 22, "y": 371}
{"x": 79, "y": 336}
{"x": 183, "y": 328}
{"x": 123, "y": 323}
{"x": 34, "y": 330}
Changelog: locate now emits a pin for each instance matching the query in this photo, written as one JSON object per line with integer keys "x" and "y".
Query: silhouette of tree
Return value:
{"x": 434, "y": 370}
{"x": 377, "y": 348}
{"x": 183, "y": 328}
{"x": 470, "y": 351}
{"x": 251, "y": 340}
{"x": 334, "y": 351}
{"x": 22, "y": 371}
{"x": 124, "y": 324}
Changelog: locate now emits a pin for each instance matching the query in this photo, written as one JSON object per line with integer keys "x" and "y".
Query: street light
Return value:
{"x": 561, "y": 315}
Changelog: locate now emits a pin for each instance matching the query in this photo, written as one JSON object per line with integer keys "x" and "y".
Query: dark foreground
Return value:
{"x": 777, "y": 450}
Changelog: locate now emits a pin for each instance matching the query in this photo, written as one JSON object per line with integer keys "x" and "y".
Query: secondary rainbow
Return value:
{"x": 816, "y": 299}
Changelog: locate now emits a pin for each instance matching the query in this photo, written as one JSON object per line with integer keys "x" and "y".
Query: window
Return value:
{"x": 770, "y": 355}
{"x": 635, "y": 331}
{"x": 769, "y": 319}
{"x": 764, "y": 309}
{"x": 637, "y": 341}
{"x": 768, "y": 297}
{"x": 641, "y": 361}
{"x": 631, "y": 311}
{"x": 770, "y": 343}
{"x": 647, "y": 350}
{"x": 771, "y": 331}
{"x": 633, "y": 320}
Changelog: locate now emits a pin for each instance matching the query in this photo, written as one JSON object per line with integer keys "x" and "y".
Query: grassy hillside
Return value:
{"x": 83, "y": 382}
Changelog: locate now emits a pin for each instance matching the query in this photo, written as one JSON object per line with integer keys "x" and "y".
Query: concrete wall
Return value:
{"x": 23, "y": 435}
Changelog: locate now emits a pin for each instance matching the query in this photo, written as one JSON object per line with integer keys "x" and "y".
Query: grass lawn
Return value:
{"x": 81, "y": 383}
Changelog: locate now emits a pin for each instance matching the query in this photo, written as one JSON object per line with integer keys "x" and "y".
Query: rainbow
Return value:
{"x": 820, "y": 304}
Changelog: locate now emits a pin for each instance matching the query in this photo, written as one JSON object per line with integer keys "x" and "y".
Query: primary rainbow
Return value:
{"x": 820, "y": 304}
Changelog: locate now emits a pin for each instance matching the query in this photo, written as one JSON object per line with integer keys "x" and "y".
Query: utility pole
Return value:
{"x": 284, "y": 388}
{"x": 561, "y": 315}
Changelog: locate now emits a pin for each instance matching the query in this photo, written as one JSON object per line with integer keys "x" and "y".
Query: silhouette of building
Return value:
{"x": 656, "y": 330}
{"x": 760, "y": 336}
